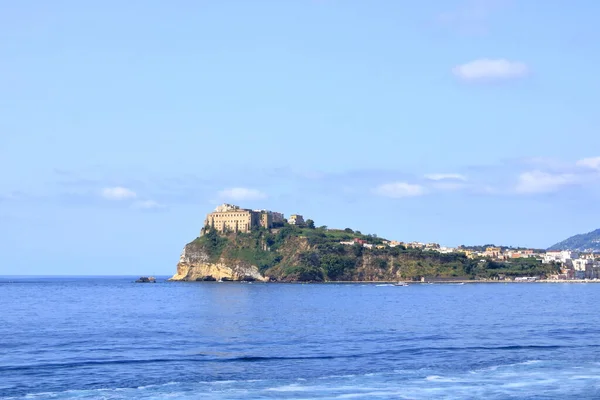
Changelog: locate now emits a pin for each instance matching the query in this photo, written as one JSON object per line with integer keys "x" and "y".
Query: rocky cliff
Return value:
{"x": 291, "y": 254}
{"x": 195, "y": 264}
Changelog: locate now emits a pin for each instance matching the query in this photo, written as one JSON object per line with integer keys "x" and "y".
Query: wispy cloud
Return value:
{"x": 484, "y": 69}
{"x": 533, "y": 176}
{"x": 591, "y": 163}
{"x": 446, "y": 181}
{"x": 398, "y": 190}
{"x": 241, "y": 194}
{"x": 118, "y": 193}
{"x": 449, "y": 185}
{"x": 447, "y": 176}
{"x": 543, "y": 182}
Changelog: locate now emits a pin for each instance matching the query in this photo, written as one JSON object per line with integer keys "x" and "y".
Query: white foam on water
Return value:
{"x": 294, "y": 387}
{"x": 369, "y": 395}
{"x": 40, "y": 395}
{"x": 588, "y": 377}
{"x": 525, "y": 379}
{"x": 337, "y": 376}
{"x": 502, "y": 366}
{"x": 438, "y": 378}
{"x": 529, "y": 362}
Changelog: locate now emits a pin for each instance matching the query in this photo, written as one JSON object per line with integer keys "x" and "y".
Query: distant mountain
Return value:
{"x": 585, "y": 242}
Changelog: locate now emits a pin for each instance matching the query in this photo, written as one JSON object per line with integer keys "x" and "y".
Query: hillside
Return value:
{"x": 291, "y": 254}
{"x": 585, "y": 242}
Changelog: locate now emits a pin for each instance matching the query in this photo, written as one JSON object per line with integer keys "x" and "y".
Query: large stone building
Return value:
{"x": 231, "y": 218}
{"x": 296, "y": 219}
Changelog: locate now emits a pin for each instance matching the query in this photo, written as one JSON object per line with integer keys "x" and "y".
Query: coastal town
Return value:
{"x": 572, "y": 265}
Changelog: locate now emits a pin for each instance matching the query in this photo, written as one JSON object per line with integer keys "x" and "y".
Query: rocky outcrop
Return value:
{"x": 196, "y": 265}
{"x": 297, "y": 254}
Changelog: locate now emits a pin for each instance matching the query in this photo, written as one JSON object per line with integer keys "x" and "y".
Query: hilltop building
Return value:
{"x": 296, "y": 219}
{"x": 232, "y": 218}
{"x": 492, "y": 252}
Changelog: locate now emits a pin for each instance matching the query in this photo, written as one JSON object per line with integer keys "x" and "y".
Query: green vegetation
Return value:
{"x": 482, "y": 248}
{"x": 293, "y": 253}
{"x": 213, "y": 243}
{"x": 514, "y": 267}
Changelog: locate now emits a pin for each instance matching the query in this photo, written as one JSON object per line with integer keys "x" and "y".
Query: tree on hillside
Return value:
{"x": 310, "y": 224}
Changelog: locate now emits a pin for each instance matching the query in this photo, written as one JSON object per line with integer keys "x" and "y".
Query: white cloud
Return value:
{"x": 441, "y": 177}
{"x": 400, "y": 189}
{"x": 240, "y": 194}
{"x": 445, "y": 185}
{"x": 487, "y": 70}
{"x": 592, "y": 163}
{"x": 118, "y": 193}
{"x": 543, "y": 182}
{"x": 147, "y": 205}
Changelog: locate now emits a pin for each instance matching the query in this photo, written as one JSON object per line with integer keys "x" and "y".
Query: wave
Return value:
{"x": 439, "y": 378}
{"x": 91, "y": 363}
{"x": 489, "y": 383}
{"x": 512, "y": 365}
{"x": 251, "y": 359}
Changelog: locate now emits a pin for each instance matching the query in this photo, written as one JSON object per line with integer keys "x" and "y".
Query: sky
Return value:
{"x": 450, "y": 121}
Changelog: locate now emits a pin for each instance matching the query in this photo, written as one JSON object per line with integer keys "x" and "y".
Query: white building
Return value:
{"x": 446, "y": 250}
{"x": 561, "y": 256}
{"x": 296, "y": 219}
{"x": 581, "y": 264}
{"x": 593, "y": 270}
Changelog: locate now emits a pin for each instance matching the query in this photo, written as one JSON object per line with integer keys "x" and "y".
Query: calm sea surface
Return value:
{"x": 109, "y": 338}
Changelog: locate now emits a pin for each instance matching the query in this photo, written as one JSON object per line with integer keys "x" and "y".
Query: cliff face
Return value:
{"x": 195, "y": 265}
{"x": 291, "y": 254}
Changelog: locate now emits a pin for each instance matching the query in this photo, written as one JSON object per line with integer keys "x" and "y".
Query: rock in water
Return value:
{"x": 145, "y": 279}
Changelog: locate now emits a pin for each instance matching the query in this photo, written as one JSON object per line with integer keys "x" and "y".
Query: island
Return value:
{"x": 146, "y": 279}
{"x": 238, "y": 244}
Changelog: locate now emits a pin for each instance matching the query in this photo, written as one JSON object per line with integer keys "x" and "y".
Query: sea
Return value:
{"x": 111, "y": 338}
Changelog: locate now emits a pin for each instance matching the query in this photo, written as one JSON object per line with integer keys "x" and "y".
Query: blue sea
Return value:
{"x": 110, "y": 338}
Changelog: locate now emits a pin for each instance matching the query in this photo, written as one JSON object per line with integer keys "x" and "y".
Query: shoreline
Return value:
{"x": 457, "y": 281}
{"x": 433, "y": 282}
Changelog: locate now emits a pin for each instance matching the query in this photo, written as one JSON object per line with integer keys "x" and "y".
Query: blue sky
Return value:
{"x": 459, "y": 122}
